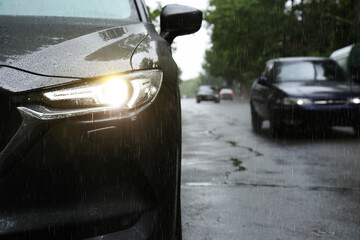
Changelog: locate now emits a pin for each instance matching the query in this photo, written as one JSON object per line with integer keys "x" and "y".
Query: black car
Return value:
{"x": 90, "y": 120}
{"x": 306, "y": 93}
{"x": 207, "y": 93}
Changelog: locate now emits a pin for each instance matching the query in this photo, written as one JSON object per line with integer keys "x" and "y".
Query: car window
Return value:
{"x": 295, "y": 71}
{"x": 206, "y": 88}
{"x": 106, "y": 9}
{"x": 308, "y": 71}
{"x": 226, "y": 90}
{"x": 328, "y": 71}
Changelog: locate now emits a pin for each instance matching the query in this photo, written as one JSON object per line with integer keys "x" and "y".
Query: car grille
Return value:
{"x": 10, "y": 120}
{"x": 338, "y": 101}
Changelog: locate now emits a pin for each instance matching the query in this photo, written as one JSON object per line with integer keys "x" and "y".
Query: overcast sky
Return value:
{"x": 190, "y": 49}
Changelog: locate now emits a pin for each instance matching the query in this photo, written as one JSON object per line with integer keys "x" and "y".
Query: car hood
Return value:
{"x": 40, "y": 52}
{"x": 315, "y": 89}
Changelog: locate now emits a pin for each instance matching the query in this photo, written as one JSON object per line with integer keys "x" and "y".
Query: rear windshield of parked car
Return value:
{"x": 308, "y": 71}
{"x": 106, "y": 9}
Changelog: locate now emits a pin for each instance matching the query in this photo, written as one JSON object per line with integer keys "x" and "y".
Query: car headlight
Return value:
{"x": 355, "y": 100}
{"x": 125, "y": 93}
{"x": 290, "y": 101}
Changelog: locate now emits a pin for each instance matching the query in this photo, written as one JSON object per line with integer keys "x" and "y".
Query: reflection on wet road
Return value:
{"x": 239, "y": 185}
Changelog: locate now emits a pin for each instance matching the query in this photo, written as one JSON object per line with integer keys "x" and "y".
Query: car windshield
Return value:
{"x": 106, "y": 9}
{"x": 226, "y": 90}
{"x": 206, "y": 88}
{"x": 308, "y": 71}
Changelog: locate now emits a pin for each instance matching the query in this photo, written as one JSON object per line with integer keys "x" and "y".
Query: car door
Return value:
{"x": 262, "y": 91}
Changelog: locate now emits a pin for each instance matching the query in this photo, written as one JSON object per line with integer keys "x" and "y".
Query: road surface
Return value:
{"x": 241, "y": 185}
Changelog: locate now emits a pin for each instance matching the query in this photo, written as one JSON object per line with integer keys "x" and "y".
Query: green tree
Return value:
{"x": 246, "y": 33}
{"x": 156, "y": 12}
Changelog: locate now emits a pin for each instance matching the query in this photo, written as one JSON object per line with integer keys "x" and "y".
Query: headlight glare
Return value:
{"x": 121, "y": 96}
{"x": 126, "y": 91}
{"x": 291, "y": 101}
{"x": 114, "y": 92}
{"x": 355, "y": 100}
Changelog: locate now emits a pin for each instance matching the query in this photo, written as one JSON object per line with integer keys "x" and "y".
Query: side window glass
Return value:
{"x": 269, "y": 72}
{"x": 265, "y": 72}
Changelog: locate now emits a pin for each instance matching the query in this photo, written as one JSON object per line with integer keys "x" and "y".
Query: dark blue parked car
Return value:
{"x": 306, "y": 92}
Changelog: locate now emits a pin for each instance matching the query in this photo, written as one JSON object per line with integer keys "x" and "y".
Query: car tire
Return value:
{"x": 198, "y": 100}
{"x": 168, "y": 145}
{"x": 217, "y": 100}
{"x": 357, "y": 129}
{"x": 178, "y": 231}
{"x": 256, "y": 120}
{"x": 276, "y": 128}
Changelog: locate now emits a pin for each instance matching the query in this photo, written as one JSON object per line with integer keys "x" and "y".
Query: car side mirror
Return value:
{"x": 263, "y": 81}
{"x": 177, "y": 20}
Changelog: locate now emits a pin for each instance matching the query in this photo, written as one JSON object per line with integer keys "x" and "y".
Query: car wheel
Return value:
{"x": 198, "y": 100}
{"x": 276, "y": 128}
{"x": 325, "y": 129}
{"x": 256, "y": 120}
{"x": 217, "y": 100}
{"x": 357, "y": 129}
{"x": 167, "y": 163}
{"x": 178, "y": 231}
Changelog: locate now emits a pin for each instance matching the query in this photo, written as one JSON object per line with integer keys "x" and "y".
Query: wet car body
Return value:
{"x": 207, "y": 93}
{"x": 304, "y": 103}
{"x": 73, "y": 168}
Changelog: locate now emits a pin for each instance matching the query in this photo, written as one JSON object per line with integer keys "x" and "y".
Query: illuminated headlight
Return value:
{"x": 290, "y": 101}
{"x": 355, "y": 100}
{"x": 125, "y": 93}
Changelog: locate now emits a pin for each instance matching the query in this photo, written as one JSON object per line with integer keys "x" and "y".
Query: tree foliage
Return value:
{"x": 246, "y": 33}
{"x": 155, "y": 13}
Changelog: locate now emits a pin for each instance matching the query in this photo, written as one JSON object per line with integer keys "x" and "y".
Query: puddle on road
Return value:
{"x": 237, "y": 163}
{"x": 198, "y": 184}
{"x": 231, "y": 123}
{"x": 212, "y": 133}
{"x": 319, "y": 233}
{"x": 227, "y": 174}
{"x": 264, "y": 185}
{"x": 236, "y": 144}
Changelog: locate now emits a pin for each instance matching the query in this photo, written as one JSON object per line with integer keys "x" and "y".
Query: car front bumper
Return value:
{"x": 318, "y": 116}
{"x": 227, "y": 96}
{"x": 206, "y": 97}
{"x": 80, "y": 178}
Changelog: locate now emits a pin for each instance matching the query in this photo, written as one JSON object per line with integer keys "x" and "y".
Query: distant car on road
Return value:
{"x": 207, "y": 93}
{"x": 226, "y": 93}
{"x": 305, "y": 92}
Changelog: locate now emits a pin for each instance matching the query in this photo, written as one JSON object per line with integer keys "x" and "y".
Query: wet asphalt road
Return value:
{"x": 239, "y": 185}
